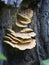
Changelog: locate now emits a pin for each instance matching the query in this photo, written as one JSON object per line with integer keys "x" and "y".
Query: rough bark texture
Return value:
{"x": 40, "y": 24}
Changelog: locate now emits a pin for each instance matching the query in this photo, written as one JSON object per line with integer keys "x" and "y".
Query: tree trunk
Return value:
{"x": 40, "y": 24}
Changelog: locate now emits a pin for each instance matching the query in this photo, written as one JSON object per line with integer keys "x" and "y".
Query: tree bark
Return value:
{"x": 44, "y": 24}
{"x": 40, "y": 24}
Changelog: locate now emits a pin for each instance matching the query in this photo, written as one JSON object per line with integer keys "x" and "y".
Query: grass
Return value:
{"x": 45, "y": 62}
{"x": 2, "y": 57}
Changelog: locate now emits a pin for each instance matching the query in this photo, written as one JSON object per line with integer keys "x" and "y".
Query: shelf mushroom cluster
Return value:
{"x": 24, "y": 18}
{"x": 24, "y": 39}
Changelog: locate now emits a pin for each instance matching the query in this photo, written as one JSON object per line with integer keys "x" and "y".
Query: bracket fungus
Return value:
{"x": 24, "y": 22}
{"x": 18, "y": 35}
{"x": 24, "y": 18}
{"x": 22, "y": 47}
{"x": 20, "y": 25}
{"x": 27, "y": 13}
{"x": 26, "y": 30}
{"x": 19, "y": 40}
{"x": 24, "y": 39}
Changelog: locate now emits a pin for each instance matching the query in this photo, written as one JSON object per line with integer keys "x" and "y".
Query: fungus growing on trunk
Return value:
{"x": 19, "y": 40}
{"x": 26, "y": 30}
{"x": 24, "y": 39}
{"x": 20, "y": 25}
{"x": 22, "y": 46}
{"x": 24, "y": 18}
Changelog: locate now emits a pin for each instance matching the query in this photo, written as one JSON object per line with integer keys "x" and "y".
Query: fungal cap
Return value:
{"x": 9, "y": 30}
{"x": 18, "y": 35}
{"x": 32, "y": 34}
{"x": 21, "y": 16}
{"x": 28, "y": 13}
{"x": 7, "y": 38}
{"x": 25, "y": 22}
{"x": 23, "y": 46}
{"x": 20, "y": 25}
{"x": 26, "y": 30}
{"x": 14, "y": 40}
